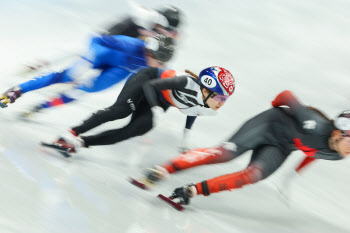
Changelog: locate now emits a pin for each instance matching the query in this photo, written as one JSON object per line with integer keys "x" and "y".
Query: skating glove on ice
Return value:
{"x": 185, "y": 193}
{"x": 157, "y": 115}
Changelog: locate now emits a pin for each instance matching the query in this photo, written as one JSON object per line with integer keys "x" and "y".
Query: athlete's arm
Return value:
{"x": 121, "y": 43}
{"x": 286, "y": 98}
{"x": 306, "y": 117}
{"x": 184, "y": 142}
{"x": 153, "y": 87}
{"x": 189, "y": 121}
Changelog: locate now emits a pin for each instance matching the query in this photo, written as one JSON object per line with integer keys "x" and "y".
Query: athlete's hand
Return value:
{"x": 283, "y": 98}
{"x": 12, "y": 94}
{"x": 184, "y": 194}
{"x": 183, "y": 148}
{"x": 284, "y": 185}
{"x": 157, "y": 115}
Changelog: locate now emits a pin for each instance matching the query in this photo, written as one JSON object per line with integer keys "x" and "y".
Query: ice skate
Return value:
{"x": 151, "y": 177}
{"x": 30, "y": 113}
{"x": 182, "y": 194}
{"x": 61, "y": 146}
{"x": 169, "y": 200}
{"x": 67, "y": 144}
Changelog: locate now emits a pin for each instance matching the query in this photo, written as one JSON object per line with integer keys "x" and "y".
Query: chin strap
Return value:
{"x": 205, "y": 100}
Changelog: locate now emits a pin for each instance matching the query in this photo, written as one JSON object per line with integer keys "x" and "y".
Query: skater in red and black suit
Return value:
{"x": 272, "y": 136}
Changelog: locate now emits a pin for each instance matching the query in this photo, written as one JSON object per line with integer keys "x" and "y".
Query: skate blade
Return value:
{"x": 138, "y": 184}
{"x": 59, "y": 149}
{"x": 3, "y": 105}
{"x": 169, "y": 201}
{"x": 4, "y": 101}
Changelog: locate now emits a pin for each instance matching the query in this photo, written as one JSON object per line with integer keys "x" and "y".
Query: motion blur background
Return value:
{"x": 269, "y": 46}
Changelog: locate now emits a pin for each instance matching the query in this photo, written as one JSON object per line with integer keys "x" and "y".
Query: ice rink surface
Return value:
{"x": 269, "y": 46}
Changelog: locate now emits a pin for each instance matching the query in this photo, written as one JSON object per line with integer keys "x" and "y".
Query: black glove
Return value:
{"x": 184, "y": 193}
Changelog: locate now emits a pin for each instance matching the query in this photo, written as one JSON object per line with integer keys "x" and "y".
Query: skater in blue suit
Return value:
{"x": 116, "y": 57}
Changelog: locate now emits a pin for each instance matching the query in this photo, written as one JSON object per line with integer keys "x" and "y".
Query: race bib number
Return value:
{"x": 208, "y": 81}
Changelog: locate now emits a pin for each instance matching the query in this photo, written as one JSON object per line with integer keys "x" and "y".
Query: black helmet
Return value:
{"x": 161, "y": 47}
{"x": 172, "y": 14}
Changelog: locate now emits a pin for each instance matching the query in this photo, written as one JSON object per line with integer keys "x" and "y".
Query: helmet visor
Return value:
{"x": 346, "y": 133}
{"x": 220, "y": 98}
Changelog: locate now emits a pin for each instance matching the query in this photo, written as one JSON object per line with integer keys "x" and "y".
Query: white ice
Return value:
{"x": 269, "y": 46}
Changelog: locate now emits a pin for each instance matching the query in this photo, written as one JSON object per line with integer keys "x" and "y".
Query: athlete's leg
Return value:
{"x": 128, "y": 101}
{"x": 140, "y": 123}
{"x": 265, "y": 160}
{"x": 44, "y": 81}
{"x": 68, "y": 75}
{"x": 119, "y": 110}
{"x": 98, "y": 57}
{"x": 198, "y": 157}
{"x": 106, "y": 79}
{"x": 246, "y": 138}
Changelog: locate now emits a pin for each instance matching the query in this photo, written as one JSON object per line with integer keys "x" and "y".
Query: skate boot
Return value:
{"x": 30, "y": 113}
{"x": 36, "y": 66}
{"x": 61, "y": 146}
{"x": 151, "y": 177}
{"x": 71, "y": 140}
{"x": 71, "y": 148}
{"x": 182, "y": 195}
{"x": 67, "y": 144}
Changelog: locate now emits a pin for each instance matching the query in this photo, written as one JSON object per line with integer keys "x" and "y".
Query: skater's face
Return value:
{"x": 158, "y": 30}
{"x": 169, "y": 33}
{"x": 341, "y": 142}
{"x": 154, "y": 62}
{"x": 214, "y": 102}
{"x": 145, "y": 33}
